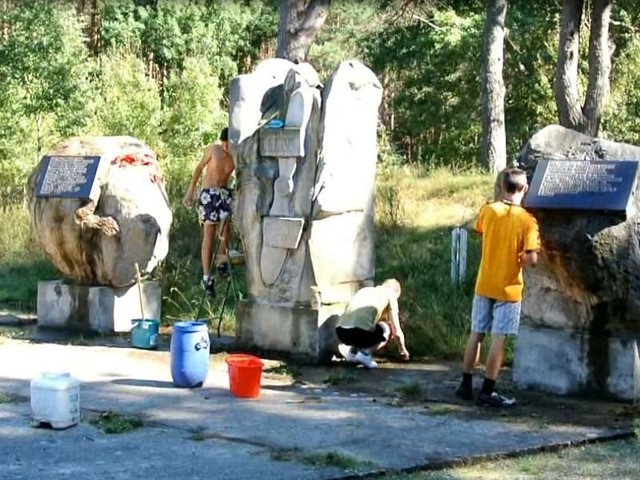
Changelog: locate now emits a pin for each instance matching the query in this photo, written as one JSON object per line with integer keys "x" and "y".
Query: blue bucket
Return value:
{"x": 189, "y": 354}
{"x": 144, "y": 333}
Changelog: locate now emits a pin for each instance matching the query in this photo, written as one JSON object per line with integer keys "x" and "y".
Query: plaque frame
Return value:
{"x": 615, "y": 200}
{"x": 83, "y": 190}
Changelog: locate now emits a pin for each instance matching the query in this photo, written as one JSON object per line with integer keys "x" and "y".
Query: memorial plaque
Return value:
{"x": 67, "y": 176}
{"x": 582, "y": 185}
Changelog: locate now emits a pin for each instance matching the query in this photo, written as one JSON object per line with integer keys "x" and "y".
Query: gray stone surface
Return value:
{"x": 239, "y": 439}
{"x": 96, "y": 309}
{"x": 303, "y": 331}
{"x": 562, "y": 362}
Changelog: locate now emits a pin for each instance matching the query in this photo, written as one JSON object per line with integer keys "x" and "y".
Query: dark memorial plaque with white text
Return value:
{"x": 582, "y": 185}
{"x": 67, "y": 176}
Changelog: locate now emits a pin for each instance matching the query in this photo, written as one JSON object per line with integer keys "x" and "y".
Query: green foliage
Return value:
{"x": 621, "y": 119}
{"x": 226, "y": 34}
{"x": 192, "y": 111}
{"x": 432, "y": 74}
{"x": 128, "y": 101}
{"x": 529, "y": 71}
{"x": 43, "y": 71}
{"x": 345, "y": 28}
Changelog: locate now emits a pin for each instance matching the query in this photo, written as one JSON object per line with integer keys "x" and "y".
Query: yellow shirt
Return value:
{"x": 366, "y": 308}
{"x": 507, "y": 232}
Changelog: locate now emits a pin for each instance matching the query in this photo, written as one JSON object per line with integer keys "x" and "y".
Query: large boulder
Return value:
{"x": 96, "y": 240}
{"x": 589, "y": 271}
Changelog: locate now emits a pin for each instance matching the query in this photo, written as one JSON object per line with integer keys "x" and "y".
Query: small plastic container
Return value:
{"x": 55, "y": 400}
{"x": 144, "y": 333}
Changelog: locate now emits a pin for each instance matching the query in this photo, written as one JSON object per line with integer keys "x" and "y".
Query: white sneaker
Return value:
{"x": 347, "y": 354}
{"x": 366, "y": 360}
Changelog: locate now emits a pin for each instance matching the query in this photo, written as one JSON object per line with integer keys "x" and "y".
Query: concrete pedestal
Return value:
{"x": 301, "y": 331}
{"x": 98, "y": 309}
{"x": 573, "y": 363}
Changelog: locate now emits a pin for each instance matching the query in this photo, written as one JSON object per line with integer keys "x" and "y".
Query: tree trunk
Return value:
{"x": 600, "y": 51}
{"x": 571, "y": 114}
{"x": 494, "y": 139}
{"x": 567, "y": 89}
{"x": 299, "y": 25}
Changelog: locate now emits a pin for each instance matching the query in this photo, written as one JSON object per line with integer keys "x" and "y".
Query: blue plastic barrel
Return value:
{"x": 189, "y": 354}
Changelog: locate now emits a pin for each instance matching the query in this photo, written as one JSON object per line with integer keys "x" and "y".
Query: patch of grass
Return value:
{"x": 339, "y": 378}
{"x": 611, "y": 460}
{"x": 6, "y": 397}
{"x": 410, "y": 390}
{"x": 435, "y": 313}
{"x": 334, "y": 459}
{"x": 113, "y": 422}
{"x": 19, "y": 281}
{"x": 284, "y": 454}
{"x": 284, "y": 369}
{"x": 79, "y": 341}
{"x": 437, "y": 410}
{"x": 17, "y": 333}
{"x": 320, "y": 460}
{"x": 198, "y": 434}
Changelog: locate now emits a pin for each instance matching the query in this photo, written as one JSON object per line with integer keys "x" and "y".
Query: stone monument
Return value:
{"x": 306, "y": 160}
{"x": 98, "y": 206}
{"x": 581, "y": 308}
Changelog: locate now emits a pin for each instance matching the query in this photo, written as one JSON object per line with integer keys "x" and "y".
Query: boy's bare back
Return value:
{"x": 219, "y": 167}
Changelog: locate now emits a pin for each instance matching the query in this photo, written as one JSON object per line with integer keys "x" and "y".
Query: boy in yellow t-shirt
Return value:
{"x": 510, "y": 240}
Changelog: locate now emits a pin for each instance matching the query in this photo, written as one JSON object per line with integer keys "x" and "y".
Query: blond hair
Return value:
{"x": 393, "y": 286}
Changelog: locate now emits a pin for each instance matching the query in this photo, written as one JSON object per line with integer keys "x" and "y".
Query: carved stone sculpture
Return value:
{"x": 582, "y": 301}
{"x": 305, "y": 156}
{"x": 124, "y": 220}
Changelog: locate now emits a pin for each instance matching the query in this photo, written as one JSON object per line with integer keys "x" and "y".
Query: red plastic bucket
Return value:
{"x": 245, "y": 372}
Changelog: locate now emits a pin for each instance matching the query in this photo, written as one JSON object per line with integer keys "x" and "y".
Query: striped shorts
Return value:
{"x": 489, "y": 315}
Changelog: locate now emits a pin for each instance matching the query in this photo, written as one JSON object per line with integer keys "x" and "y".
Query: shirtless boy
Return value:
{"x": 214, "y": 204}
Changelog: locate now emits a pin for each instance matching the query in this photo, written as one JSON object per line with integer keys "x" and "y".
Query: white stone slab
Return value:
{"x": 98, "y": 309}
{"x": 568, "y": 362}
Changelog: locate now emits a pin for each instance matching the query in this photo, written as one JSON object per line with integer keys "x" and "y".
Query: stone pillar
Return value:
{"x": 307, "y": 225}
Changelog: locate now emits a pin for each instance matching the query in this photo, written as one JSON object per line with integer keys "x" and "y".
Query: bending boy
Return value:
{"x": 214, "y": 204}
{"x": 510, "y": 240}
{"x": 369, "y": 322}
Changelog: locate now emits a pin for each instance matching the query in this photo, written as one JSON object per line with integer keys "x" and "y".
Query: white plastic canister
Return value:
{"x": 55, "y": 399}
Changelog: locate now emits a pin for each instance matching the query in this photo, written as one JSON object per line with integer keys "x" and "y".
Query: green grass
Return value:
{"x": 22, "y": 263}
{"x": 321, "y": 460}
{"x": 414, "y": 247}
{"x": 409, "y": 390}
{"x": 339, "y": 379}
{"x": 334, "y": 459}
{"x": 611, "y": 460}
{"x": 114, "y": 422}
{"x": 6, "y": 397}
{"x": 283, "y": 369}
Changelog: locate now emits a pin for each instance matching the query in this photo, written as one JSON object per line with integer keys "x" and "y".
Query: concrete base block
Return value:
{"x": 573, "y": 363}
{"x": 97, "y": 309}
{"x": 301, "y": 331}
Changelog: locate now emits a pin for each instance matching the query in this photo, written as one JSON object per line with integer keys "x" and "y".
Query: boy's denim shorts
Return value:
{"x": 489, "y": 315}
